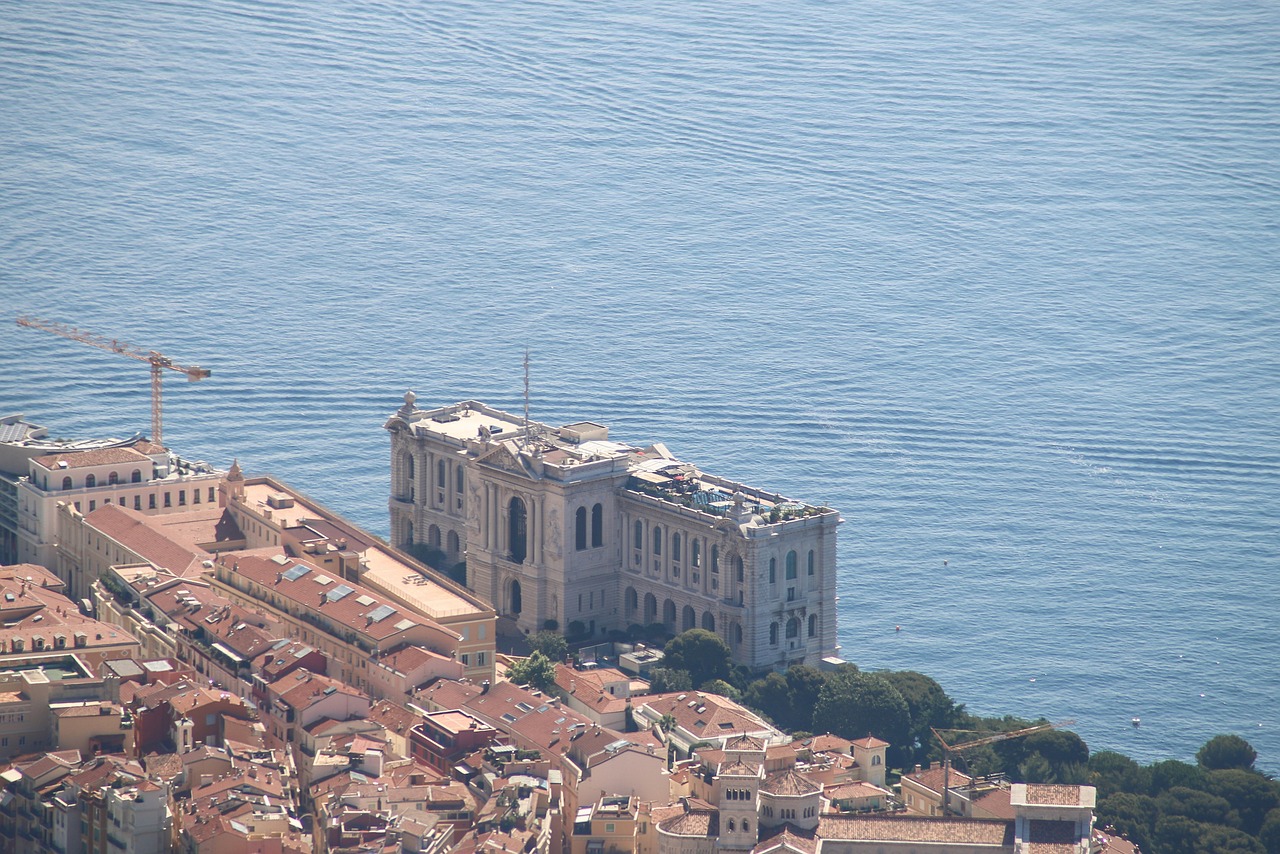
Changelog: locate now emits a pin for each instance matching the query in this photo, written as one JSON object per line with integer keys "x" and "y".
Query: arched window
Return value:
{"x": 690, "y": 618}
{"x": 773, "y": 570}
{"x": 793, "y": 627}
{"x": 441, "y": 477}
{"x": 813, "y": 625}
{"x": 708, "y": 621}
{"x": 731, "y": 825}
{"x": 715, "y": 559}
{"x": 66, "y": 483}
{"x": 136, "y": 477}
{"x": 632, "y": 600}
{"x": 695, "y": 550}
{"x": 650, "y": 608}
{"x": 433, "y": 536}
{"x": 811, "y": 561}
{"x": 90, "y": 480}
{"x": 452, "y": 544}
{"x": 746, "y": 825}
{"x": 773, "y": 634}
{"x": 517, "y": 530}
{"x": 675, "y": 547}
{"x": 639, "y": 534}
{"x": 460, "y": 480}
{"x": 113, "y": 478}
{"x": 657, "y": 539}
{"x": 875, "y": 760}
{"x": 791, "y": 565}
{"x": 580, "y": 529}
{"x": 737, "y": 567}
{"x": 408, "y": 467}
{"x": 597, "y": 526}
{"x": 669, "y": 612}
{"x": 737, "y": 633}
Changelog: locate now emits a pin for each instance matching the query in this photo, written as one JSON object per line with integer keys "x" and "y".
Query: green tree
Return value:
{"x": 703, "y": 654}
{"x": 1269, "y": 835}
{"x": 853, "y": 705}
{"x": 805, "y": 684}
{"x": 723, "y": 688}
{"x": 1249, "y": 793}
{"x": 927, "y": 703}
{"x": 1177, "y": 834}
{"x": 1131, "y": 814}
{"x": 550, "y": 644}
{"x": 1216, "y": 839}
{"x": 664, "y": 680}
{"x": 1226, "y": 751}
{"x": 1197, "y": 805}
{"x": 1169, "y": 773}
{"x": 536, "y": 671}
{"x": 772, "y": 696}
{"x": 1112, "y": 772}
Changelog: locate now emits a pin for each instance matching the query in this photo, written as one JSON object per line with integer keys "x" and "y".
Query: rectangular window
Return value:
{"x": 137, "y": 502}
{"x": 195, "y": 496}
{"x": 151, "y": 501}
{"x": 211, "y": 498}
{"x": 182, "y": 498}
{"x": 93, "y": 505}
{"x": 168, "y": 500}
{"x": 77, "y": 506}
{"x": 466, "y": 659}
{"x": 791, "y": 594}
{"x": 482, "y": 659}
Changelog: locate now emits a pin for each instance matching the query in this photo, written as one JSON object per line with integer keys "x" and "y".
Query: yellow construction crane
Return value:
{"x": 159, "y": 363}
{"x": 949, "y": 749}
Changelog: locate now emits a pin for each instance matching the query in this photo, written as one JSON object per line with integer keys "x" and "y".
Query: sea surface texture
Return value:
{"x": 998, "y": 281}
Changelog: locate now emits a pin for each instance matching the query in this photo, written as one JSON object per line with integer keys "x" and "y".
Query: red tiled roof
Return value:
{"x": 874, "y": 828}
{"x": 790, "y": 783}
{"x": 95, "y": 457}
{"x": 131, "y": 531}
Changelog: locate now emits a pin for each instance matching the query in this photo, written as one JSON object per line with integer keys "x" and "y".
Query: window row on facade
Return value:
{"x": 154, "y": 500}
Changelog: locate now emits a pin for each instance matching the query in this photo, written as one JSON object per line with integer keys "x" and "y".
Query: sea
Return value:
{"x": 1000, "y": 282}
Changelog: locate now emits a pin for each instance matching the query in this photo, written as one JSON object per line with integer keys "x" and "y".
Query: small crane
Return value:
{"x": 949, "y": 749}
{"x": 159, "y": 363}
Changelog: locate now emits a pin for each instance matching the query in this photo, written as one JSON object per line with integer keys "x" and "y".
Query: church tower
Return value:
{"x": 738, "y": 793}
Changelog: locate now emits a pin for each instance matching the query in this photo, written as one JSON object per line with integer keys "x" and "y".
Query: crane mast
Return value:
{"x": 159, "y": 363}
{"x": 949, "y": 749}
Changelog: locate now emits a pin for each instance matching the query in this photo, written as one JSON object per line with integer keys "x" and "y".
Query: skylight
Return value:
{"x": 339, "y": 592}
{"x": 380, "y": 613}
{"x": 296, "y": 572}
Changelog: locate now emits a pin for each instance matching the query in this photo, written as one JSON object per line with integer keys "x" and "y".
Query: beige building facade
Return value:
{"x": 564, "y": 525}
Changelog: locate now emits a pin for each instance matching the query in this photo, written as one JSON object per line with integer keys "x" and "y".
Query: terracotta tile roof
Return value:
{"x": 931, "y": 779}
{"x": 163, "y": 766}
{"x": 406, "y": 659}
{"x": 853, "y": 789}
{"x": 700, "y": 820}
{"x": 364, "y": 610}
{"x": 301, "y": 693}
{"x": 393, "y": 717}
{"x": 739, "y": 769}
{"x": 448, "y": 694}
{"x": 708, "y": 716}
{"x": 130, "y": 530}
{"x": 790, "y": 783}
{"x": 789, "y": 839}
{"x": 744, "y": 742}
{"x": 995, "y": 804}
{"x": 868, "y": 742}
{"x": 875, "y": 828}
{"x": 95, "y": 457}
{"x": 1052, "y": 794}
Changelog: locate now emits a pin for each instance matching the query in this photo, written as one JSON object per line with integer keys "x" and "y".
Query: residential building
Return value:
{"x": 39, "y": 474}
{"x": 564, "y": 526}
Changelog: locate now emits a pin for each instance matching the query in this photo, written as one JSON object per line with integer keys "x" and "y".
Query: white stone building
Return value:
{"x": 564, "y": 525}
{"x": 133, "y": 473}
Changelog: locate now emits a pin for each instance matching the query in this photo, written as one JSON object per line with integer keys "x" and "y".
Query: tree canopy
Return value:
{"x": 854, "y": 705}
{"x": 551, "y": 644}
{"x": 1226, "y": 751}
{"x": 536, "y": 671}
{"x": 703, "y": 654}
{"x": 664, "y": 680}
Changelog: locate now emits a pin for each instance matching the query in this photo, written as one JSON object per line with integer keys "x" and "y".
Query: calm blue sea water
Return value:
{"x": 999, "y": 282}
